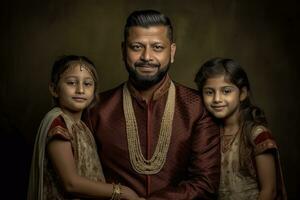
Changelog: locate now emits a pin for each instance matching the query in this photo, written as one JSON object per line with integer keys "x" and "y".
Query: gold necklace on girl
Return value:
{"x": 227, "y": 140}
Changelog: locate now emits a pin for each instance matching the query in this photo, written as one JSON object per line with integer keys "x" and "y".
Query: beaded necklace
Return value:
{"x": 138, "y": 161}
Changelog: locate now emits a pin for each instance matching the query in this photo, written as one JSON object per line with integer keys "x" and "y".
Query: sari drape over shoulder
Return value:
{"x": 43, "y": 181}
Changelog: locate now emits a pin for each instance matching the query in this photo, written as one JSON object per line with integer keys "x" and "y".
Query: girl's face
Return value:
{"x": 75, "y": 89}
{"x": 222, "y": 98}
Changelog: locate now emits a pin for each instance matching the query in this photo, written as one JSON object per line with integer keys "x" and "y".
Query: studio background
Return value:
{"x": 263, "y": 36}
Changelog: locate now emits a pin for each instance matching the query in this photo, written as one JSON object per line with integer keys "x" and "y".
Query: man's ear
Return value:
{"x": 243, "y": 94}
{"x": 173, "y": 51}
{"x": 52, "y": 90}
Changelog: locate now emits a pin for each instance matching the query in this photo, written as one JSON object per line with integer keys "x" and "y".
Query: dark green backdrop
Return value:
{"x": 262, "y": 35}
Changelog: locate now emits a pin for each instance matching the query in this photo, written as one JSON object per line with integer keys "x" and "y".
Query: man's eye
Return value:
{"x": 136, "y": 47}
{"x": 158, "y": 47}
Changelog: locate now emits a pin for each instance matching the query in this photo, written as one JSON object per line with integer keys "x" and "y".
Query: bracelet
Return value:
{"x": 116, "y": 194}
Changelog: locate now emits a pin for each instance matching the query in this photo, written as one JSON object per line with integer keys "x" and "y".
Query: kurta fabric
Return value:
{"x": 192, "y": 167}
{"x": 238, "y": 184}
{"x": 44, "y": 183}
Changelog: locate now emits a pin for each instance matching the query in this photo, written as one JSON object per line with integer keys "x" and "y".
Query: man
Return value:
{"x": 153, "y": 134}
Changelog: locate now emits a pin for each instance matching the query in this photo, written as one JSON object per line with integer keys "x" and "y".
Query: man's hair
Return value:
{"x": 147, "y": 18}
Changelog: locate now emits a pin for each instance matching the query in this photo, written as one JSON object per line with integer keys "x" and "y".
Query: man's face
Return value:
{"x": 147, "y": 54}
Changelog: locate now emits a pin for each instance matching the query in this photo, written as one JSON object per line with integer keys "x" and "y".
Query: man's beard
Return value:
{"x": 143, "y": 82}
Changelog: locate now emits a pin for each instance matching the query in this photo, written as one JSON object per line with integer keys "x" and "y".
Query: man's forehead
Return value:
{"x": 140, "y": 31}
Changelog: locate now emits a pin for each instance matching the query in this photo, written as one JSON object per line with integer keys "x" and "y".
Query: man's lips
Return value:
{"x": 146, "y": 68}
{"x": 146, "y": 64}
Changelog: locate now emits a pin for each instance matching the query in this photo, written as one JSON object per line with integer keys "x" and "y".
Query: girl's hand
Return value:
{"x": 129, "y": 194}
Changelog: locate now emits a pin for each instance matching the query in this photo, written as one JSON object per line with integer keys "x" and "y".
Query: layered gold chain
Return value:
{"x": 138, "y": 161}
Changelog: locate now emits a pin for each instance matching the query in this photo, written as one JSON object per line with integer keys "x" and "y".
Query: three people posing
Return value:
{"x": 152, "y": 134}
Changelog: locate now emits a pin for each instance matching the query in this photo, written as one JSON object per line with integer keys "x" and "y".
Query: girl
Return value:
{"x": 65, "y": 162}
{"x": 250, "y": 166}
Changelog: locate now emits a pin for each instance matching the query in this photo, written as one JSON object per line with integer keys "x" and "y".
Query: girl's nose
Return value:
{"x": 80, "y": 89}
{"x": 217, "y": 98}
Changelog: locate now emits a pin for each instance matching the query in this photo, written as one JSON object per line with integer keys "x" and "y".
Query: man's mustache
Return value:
{"x": 145, "y": 63}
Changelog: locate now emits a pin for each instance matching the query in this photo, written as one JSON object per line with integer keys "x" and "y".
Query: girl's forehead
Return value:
{"x": 218, "y": 80}
{"x": 77, "y": 68}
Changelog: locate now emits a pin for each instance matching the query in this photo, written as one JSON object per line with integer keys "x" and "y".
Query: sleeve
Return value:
{"x": 262, "y": 140}
{"x": 203, "y": 177}
{"x": 58, "y": 130}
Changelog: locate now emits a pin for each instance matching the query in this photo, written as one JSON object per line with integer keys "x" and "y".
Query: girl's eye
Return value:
{"x": 71, "y": 82}
{"x": 88, "y": 83}
{"x": 227, "y": 91}
{"x": 208, "y": 92}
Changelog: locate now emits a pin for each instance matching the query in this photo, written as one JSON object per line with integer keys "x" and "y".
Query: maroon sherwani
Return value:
{"x": 192, "y": 166}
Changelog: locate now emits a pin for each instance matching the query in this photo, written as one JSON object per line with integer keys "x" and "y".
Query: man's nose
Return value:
{"x": 146, "y": 54}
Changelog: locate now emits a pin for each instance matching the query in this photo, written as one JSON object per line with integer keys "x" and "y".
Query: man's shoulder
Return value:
{"x": 189, "y": 101}
{"x": 187, "y": 93}
{"x": 111, "y": 92}
{"x": 107, "y": 100}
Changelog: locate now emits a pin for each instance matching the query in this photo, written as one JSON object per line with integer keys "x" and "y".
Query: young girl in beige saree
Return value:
{"x": 250, "y": 167}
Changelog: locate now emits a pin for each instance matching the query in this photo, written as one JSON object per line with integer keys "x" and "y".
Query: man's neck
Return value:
{"x": 147, "y": 94}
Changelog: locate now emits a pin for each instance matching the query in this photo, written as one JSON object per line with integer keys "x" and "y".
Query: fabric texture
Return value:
{"x": 192, "y": 165}
{"x": 242, "y": 184}
{"x": 44, "y": 182}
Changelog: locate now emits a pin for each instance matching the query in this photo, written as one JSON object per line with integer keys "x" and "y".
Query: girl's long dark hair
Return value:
{"x": 250, "y": 115}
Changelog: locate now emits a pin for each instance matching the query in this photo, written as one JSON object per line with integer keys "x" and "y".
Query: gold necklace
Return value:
{"x": 138, "y": 161}
{"x": 227, "y": 140}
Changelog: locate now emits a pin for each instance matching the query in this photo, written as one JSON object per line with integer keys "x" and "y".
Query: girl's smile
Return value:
{"x": 218, "y": 108}
{"x": 79, "y": 99}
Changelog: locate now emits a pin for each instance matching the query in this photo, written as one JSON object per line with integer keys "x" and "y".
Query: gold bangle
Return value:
{"x": 118, "y": 192}
{"x": 116, "y": 195}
